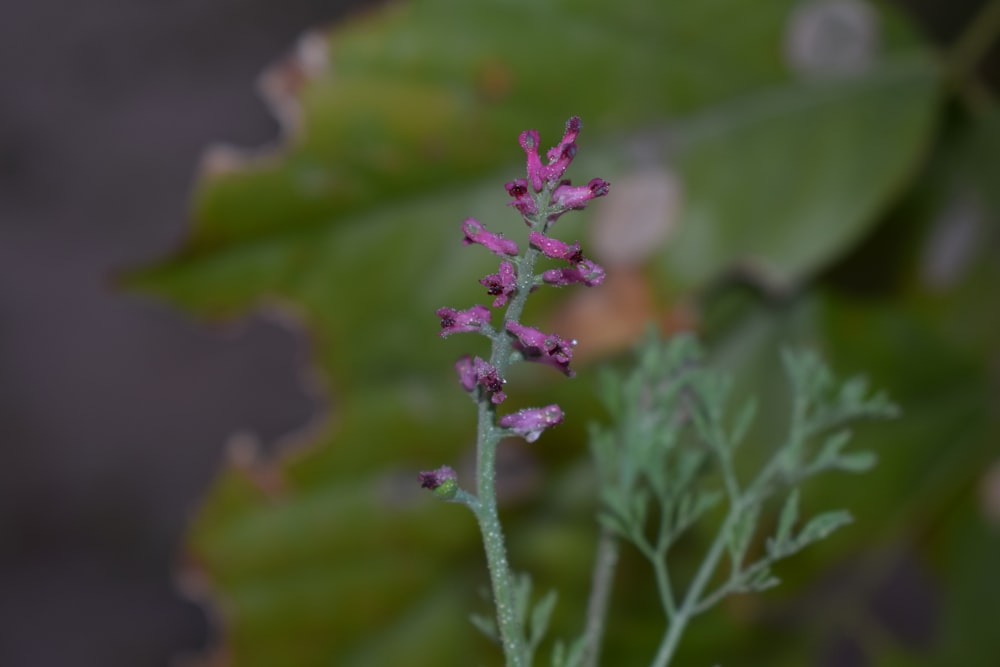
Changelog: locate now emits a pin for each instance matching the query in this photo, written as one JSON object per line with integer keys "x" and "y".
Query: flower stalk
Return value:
{"x": 541, "y": 198}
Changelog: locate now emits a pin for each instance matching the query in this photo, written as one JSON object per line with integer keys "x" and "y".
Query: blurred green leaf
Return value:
{"x": 782, "y": 182}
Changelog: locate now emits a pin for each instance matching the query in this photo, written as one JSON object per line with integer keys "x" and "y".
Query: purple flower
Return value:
{"x": 555, "y": 248}
{"x": 432, "y": 479}
{"x": 443, "y": 482}
{"x": 475, "y": 232}
{"x": 586, "y": 272}
{"x": 461, "y": 321}
{"x": 559, "y": 156}
{"x": 522, "y": 201}
{"x": 530, "y": 422}
{"x": 529, "y": 142}
{"x": 473, "y": 372}
{"x": 576, "y": 196}
{"x": 537, "y": 345}
{"x": 466, "y": 372}
{"x": 583, "y": 270}
{"x": 501, "y": 284}
{"x": 563, "y": 153}
{"x": 489, "y": 379}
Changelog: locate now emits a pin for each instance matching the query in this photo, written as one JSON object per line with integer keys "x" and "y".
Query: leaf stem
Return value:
{"x": 689, "y": 606}
{"x": 663, "y": 584}
{"x": 693, "y": 601}
{"x": 600, "y": 596}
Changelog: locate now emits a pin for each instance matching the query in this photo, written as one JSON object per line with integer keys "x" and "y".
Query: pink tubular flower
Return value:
{"x": 555, "y": 248}
{"x": 586, "y": 272}
{"x": 529, "y": 142}
{"x": 530, "y": 422}
{"x": 461, "y": 321}
{"x": 475, "y": 232}
{"x": 539, "y": 346}
{"x": 563, "y": 153}
{"x": 576, "y": 196}
{"x": 501, "y": 284}
{"x": 559, "y": 156}
{"x": 522, "y": 201}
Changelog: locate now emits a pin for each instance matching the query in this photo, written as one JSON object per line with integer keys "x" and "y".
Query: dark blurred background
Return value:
{"x": 115, "y": 409}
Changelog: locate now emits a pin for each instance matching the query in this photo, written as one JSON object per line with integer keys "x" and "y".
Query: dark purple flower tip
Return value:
{"x": 586, "y": 272}
{"x": 461, "y": 321}
{"x": 555, "y": 248}
{"x": 443, "y": 482}
{"x": 522, "y": 200}
{"x": 489, "y": 379}
{"x": 529, "y": 142}
{"x": 475, "y": 232}
{"x": 539, "y": 346}
{"x": 501, "y": 284}
{"x": 599, "y": 187}
{"x": 530, "y": 422}
{"x": 576, "y": 196}
{"x": 573, "y": 127}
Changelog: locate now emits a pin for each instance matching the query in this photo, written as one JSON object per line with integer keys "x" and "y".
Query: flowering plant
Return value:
{"x": 666, "y": 462}
{"x": 541, "y": 199}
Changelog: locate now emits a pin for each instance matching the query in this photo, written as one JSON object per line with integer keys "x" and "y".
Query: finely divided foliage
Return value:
{"x": 669, "y": 459}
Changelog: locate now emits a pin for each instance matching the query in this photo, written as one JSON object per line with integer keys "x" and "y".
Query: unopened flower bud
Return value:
{"x": 443, "y": 482}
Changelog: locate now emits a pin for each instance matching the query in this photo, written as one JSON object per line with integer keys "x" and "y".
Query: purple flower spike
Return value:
{"x": 555, "y": 248}
{"x": 522, "y": 201}
{"x": 586, "y": 272}
{"x": 576, "y": 196}
{"x": 476, "y": 233}
{"x": 539, "y": 346}
{"x": 443, "y": 482}
{"x": 529, "y": 142}
{"x": 501, "y": 284}
{"x": 461, "y": 321}
{"x": 530, "y": 422}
